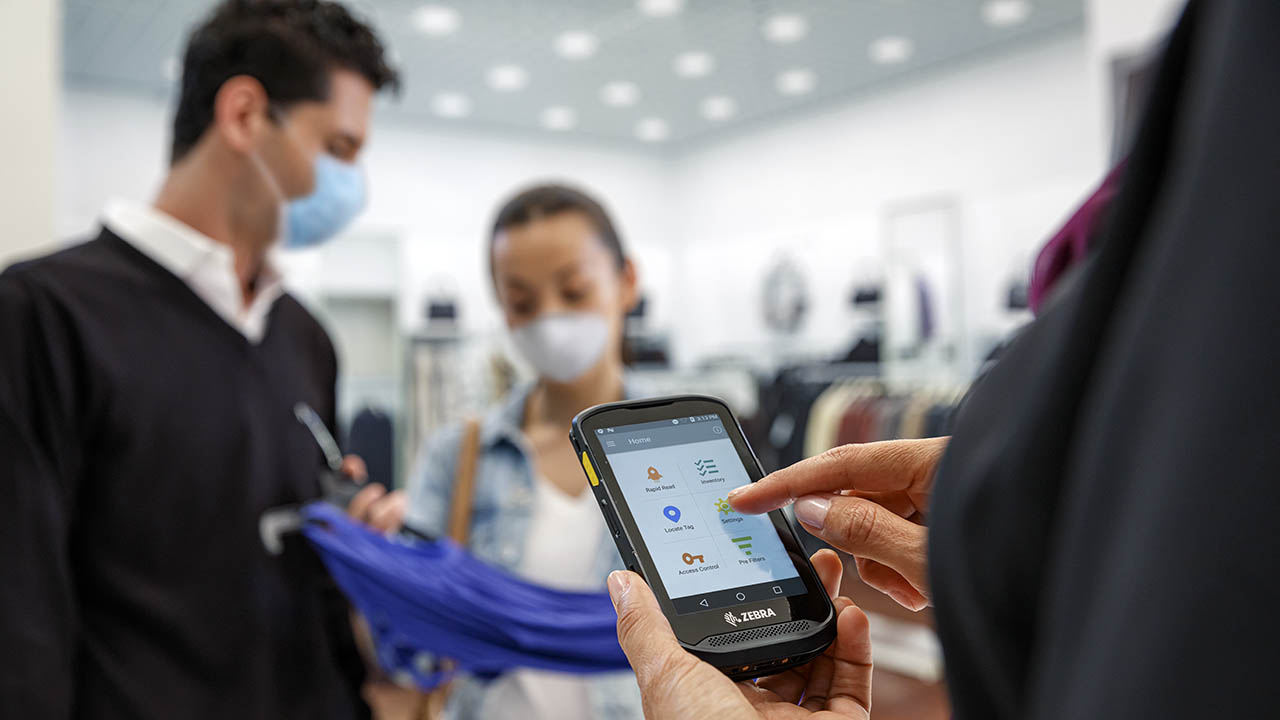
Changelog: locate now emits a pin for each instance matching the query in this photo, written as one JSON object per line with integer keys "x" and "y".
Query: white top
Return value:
{"x": 560, "y": 552}
{"x": 204, "y": 264}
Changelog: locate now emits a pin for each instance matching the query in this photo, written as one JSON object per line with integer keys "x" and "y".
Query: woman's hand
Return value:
{"x": 675, "y": 684}
{"x": 867, "y": 500}
{"x": 373, "y": 505}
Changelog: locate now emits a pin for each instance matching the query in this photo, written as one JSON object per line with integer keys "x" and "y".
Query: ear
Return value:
{"x": 240, "y": 113}
{"x": 629, "y": 286}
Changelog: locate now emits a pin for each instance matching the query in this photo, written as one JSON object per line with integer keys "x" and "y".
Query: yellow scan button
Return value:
{"x": 591, "y": 472}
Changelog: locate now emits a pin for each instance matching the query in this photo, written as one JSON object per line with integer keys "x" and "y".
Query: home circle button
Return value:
{"x": 742, "y": 596}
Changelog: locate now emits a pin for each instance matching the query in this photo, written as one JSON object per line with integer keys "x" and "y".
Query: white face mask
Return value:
{"x": 563, "y": 346}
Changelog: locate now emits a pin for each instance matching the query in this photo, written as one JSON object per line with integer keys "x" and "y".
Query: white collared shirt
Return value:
{"x": 205, "y": 265}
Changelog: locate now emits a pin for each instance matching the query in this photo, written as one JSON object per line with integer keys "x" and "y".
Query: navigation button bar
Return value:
{"x": 738, "y": 596}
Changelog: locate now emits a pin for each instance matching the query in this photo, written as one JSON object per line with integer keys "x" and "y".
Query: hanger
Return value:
{"x": 335, "y": 488}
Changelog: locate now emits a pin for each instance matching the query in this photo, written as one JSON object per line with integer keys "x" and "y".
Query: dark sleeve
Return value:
{"x": 337, "y": 610}
{"x": 328, "y": 363}
{"x": 39, "y": 454}
{"x": 1103, "y": 533}
{"x": 1161, "y": 600}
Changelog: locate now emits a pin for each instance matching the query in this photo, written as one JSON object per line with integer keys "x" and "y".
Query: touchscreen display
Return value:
{"x": 675, "y": 476}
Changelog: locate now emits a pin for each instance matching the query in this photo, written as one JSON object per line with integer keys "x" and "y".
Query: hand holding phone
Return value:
{"x": 737, "y": 589}
{"x": 837, "y": 684}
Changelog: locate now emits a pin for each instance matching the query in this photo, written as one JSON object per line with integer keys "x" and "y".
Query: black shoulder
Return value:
{"x": 294, "y": 315}
{"x": 78, "y": 265}
{"x": 33, "y": 281}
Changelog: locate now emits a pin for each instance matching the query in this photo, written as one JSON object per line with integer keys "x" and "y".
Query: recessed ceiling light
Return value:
{"x": 559, "y": 118}
{"x": 653, "y": 129}
{"x": 1003, "y": 13}
{"x": 436, "y": 20}
{"x": 796, "y": 82}
{"x": 576, "y": 45}
{"x": 719, "y": 107}
{"x": 694, "y": 64}
{"x": 891, "y": 49}
{"x": 620, "y": 93}
{"x": 507, "y": 78}
{"x": 660, "y": 8}
{"x": 451, "y": 105}
{"x": 171, "y": 69}
{"x": 785, "y": 28}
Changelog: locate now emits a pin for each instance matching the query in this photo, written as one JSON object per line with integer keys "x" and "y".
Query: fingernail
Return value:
{"x": 618, "y": 584}
{"x": 736, "y": 494}
{"x": 812, "y": 510}
{"x": 907, "y": 601}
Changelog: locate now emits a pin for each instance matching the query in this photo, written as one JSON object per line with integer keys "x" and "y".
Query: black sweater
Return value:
{"x": 141, "y": 438}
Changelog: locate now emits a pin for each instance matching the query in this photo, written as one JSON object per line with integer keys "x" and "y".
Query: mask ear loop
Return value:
{"x": 282, "y": 202}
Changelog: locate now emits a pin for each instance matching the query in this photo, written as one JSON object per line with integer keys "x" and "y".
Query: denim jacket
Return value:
{"x": 500, "y": 516}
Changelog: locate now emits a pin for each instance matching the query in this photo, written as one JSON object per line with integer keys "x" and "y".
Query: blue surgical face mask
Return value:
{"x": 337, "y": 200}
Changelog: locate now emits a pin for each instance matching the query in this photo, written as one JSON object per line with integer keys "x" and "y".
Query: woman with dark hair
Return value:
{"x": 565, "y": 286}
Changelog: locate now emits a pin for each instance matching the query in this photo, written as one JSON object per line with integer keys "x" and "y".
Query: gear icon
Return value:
{"x": 723, "y": 506}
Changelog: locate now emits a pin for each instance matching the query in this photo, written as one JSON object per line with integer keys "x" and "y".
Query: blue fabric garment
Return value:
{"x": 422, "y": 596}
{"x": 500, "y": 515}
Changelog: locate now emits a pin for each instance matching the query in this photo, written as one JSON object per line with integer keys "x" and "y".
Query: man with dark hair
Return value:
{"x": 148, "y": 380}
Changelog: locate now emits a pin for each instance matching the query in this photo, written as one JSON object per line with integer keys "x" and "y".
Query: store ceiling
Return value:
{"x": 644, "y": 72}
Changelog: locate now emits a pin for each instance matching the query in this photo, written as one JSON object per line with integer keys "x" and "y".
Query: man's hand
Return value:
{"x": 374, "y": 506}
{"x": 867, "y": 500}
{"x": 675, "y": 684}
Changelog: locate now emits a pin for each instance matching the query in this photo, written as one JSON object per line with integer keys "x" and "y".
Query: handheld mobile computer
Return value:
{"x": 738, "y": 589}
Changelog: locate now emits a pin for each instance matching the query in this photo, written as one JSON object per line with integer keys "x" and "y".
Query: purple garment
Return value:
{"x": 1071, "y": 244}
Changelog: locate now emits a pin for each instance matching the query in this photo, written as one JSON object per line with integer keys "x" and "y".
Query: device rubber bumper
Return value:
{"x": 745, "y": 663}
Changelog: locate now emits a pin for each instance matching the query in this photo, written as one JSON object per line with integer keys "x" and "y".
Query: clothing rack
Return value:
{"x": 839, "y": 371}
{"x": 783, "y": 432}
{"x": 861, "y": 410}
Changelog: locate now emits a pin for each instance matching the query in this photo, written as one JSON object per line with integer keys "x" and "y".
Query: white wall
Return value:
{"x": 433, "y": 194}
{"x": 1119, "y": 28}
{"x": 1127, "y": 26}
{"x": 30, "y": 52}
{"x": 1013, "y": 139}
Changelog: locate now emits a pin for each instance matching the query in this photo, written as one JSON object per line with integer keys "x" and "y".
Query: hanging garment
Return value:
{"x": 865, "y": 350}
{"x": 824, "y": 418}
{"x": 1070, "y": 245}
{"x": 372, "y": 437}
{"x": 913, "y": 418}
{"x": 425, "y": 599}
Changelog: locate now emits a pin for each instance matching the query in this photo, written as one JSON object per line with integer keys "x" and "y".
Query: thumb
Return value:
{"x": 865, "y": 529}
{"x": 643, "y": 631}
{"x": 673, "y": 683}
